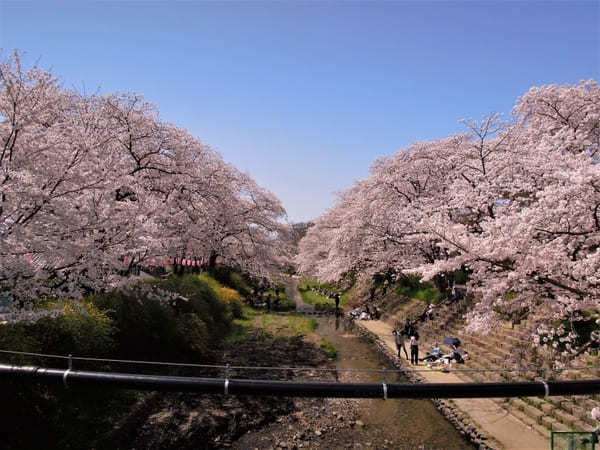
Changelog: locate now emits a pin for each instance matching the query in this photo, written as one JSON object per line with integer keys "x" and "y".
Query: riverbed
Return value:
{"x": 408, "y": 422}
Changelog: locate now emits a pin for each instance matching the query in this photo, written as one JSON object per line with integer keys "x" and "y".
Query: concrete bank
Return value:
{"x": 482, "y": 421}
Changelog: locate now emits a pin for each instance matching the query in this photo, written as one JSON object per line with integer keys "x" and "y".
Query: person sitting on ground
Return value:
{"x": 430, "y": 357}
{"x": 462, "y": 352}
{"x": 376, "y": 314}
{"x": 429, "y": 311}
{"x": 593, "y": 344}
{"x": 445, "y": 359}
{"x": 458, "y": 355}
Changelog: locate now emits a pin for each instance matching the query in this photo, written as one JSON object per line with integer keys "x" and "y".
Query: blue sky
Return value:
{"x": 305, "y": 95}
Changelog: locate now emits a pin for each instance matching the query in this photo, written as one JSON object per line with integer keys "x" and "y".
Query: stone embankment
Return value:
{"x": 508, "y": 355}
{"x": 461, "y": 421}
{"x": 505, "y": 355}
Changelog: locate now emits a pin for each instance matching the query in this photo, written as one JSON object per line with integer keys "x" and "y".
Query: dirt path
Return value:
{"x": 486, "y": 414}
{"x": 291, "y": 289}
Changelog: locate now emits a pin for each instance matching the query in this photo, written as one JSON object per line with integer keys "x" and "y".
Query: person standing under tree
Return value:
{"x": 372, "y": 294}
{"x": 399, "y": 340}
{"x": 414, "y": 349}
{"x": 409, "y": 328}
{"x": 337, "y": 301}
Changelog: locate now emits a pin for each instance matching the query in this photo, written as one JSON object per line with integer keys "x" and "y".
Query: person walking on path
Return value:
{"x": 268, "y": 302}
{"x": 337, "y": 302}
{"x": 414, "y": 349}
{"x": 399, "y": 339}
{"x": 409, "y": 328}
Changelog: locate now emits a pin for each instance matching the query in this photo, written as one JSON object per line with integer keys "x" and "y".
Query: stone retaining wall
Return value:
{"x": 452, "y": 414}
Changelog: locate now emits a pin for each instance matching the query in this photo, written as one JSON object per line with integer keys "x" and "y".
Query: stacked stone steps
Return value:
{"x": 527, "y": 420}
{"x": 537, "y": 413}
{"x": 546, "y": 414}
{"x": 481, "y": 349}
{"x": 505, "y": 348}
{"x": 508, "y": 347}
{"x": 445, "y": 315}
{"x": 561, "y": 414}
{"x": 495, "y": 353}
{"x": 508, "y": 341}
{"x": 527, "y": 408}
{"x": 552, "y": 411}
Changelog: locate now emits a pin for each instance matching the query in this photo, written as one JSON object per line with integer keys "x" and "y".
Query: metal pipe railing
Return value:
{"x": 227, "y": 386}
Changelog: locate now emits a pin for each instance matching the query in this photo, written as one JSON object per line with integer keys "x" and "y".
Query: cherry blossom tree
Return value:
{"x": 516, "y": 202}
{"x": 91, "y": 184}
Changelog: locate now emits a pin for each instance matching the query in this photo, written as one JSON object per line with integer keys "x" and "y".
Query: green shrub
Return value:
{"x": 460, "y": 276}
{"x": 146, "y": 327}
{"x": 205, "y": 299}
{"x": 60, "y": 418}
{"x": 285, "y": 303}
{"x": 81, "y": 329}
{"x": 308, "y": 283}
{"x": 412, "y": 287}
{"x": 237, "y": 309}
{"x": 229, "y": 277}
{"x": 329, "y": 349}
{"x": 194, "y": 333}
{"x": 150, "y": 327}
{"x": 320, "y": 302}
{"x": 143, "y": 322}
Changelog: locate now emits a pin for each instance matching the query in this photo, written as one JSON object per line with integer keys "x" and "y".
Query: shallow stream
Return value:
{"x": 414, "y": 423}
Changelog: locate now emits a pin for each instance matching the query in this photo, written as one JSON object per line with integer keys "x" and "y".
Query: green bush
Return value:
{"x": 308, "y": 283}
{"x": 60, "y": 417}
{"x": 233, "y": 279}
{"x": 81, "y": 329}
{"x": 237, "y": 309}
{"x": 320, "y": 302}
{"x": 143, "y": 322}
{"x": 149, "y": 327}
{"x": 204, "y": 299}
{"x": 460, "y": 276}
{"x": 329, "y": 349}
{"x": 285, "y": 303}
{"x": 412, "y": 287}
{"x": 146, "y": 327}
{"x": 194, "y": 332}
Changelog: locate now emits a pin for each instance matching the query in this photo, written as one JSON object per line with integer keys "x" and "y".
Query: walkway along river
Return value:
{"x": 408, "y": 423}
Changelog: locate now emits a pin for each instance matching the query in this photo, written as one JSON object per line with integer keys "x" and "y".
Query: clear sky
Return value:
{"x": 304, "y": 95}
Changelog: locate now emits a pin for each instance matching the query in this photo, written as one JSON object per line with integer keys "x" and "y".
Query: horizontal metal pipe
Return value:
{"x": 297, "y": 389}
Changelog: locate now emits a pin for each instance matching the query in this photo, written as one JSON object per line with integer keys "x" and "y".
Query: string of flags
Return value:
{"x": 178, "y": 261}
